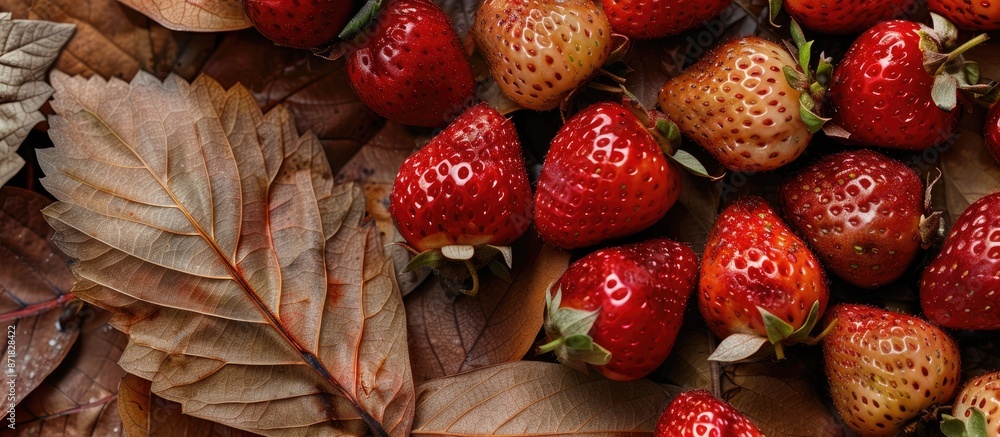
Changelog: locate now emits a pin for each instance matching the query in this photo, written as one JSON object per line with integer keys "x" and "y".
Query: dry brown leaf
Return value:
{"x": 27, "y": 50}
{"x": 113, "y": 40}
{"x": 497, "y": 325}
{"x": 34, "y": 286}
{"x": 145, "y": 414}
{"x": 194, "y": 15}
{"x": 969, "y": 171}
{"x": 80, "y": 398}
{"x": 315, "y": 90}
{"x": 251, "y": 291}
{"x": 780, "y": 400}
{"x": 535, "y": 398}
{"x": 688, "y": 365}
{"x": 375, "y": 166}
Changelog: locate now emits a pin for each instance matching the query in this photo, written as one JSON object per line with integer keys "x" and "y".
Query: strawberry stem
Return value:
{"x": 475, "y": 278}
{"x": 960, "y": 50}
{"x": 551, "y": 346}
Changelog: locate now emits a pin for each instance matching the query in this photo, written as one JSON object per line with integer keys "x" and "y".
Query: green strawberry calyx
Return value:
{"x": 951, "y": 72}
{"x": 812, "y": 83}
{"x": 568, "y": 334}
{"x": 352, "y": 31}
{"x": 740, "y": 348}
{"x": 973, "y": 426}
{"x": 667, "y": 135}
{"x": 457, "y": 265}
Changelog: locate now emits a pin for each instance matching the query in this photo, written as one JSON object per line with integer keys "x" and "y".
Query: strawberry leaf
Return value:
{"x": 357, "y": 24}
{"x": 974, "y": 426}
{"x": 777, "y": 329}
{"x": 775, "y": 9}
{"x": 740, "y": 348}
{"x": 945, "y": 92}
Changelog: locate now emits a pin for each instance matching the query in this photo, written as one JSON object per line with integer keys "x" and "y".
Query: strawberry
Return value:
{"x": 839, "y": 16}
{"x": 960, "y": 288}
{"x": 644, "y": 19}
{"x": 463, "y": 194}
{"x": 541, "y": 50}
{"x": 885, "y": 368}
{"x": 605, "y": 177}
{"x": 410, "y": 67}
{"x": 302, "y": 24}
{"x": 992, "y": 131}
{"x": 758, "y": 279}
{"x": 969, "y": 14}
{"x": 977, "y": 409}
{"x": 620, "y": 309}
{"x": 883, "y": 94}
{"x": 739, "y": 103}
{"x": 861, "y": 212}
{"x": 697, "y": 413}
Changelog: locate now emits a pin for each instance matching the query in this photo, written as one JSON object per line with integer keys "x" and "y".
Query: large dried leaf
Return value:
{"x": 539, "y": 399}
{"x": 688, "y": 365}
{"x": 969, "y": 171}
{"x": 27, "y": 50}
{"x": 251, "y": 291}
{"x": 113, "y": 40}
{"x": 315, "y": 90}
{"x": 194, "y": 15}
{"x": 146, "y": 414}
{"x": 80, "y": 397}
{"x": 34, "y": 285}
{"x": 780, "y": 400}
{"x": 375, "y": 166}
{"x": 497, "y": 325}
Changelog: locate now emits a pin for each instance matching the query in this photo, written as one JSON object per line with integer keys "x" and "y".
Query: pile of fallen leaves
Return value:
{"x": 226, "y": 216}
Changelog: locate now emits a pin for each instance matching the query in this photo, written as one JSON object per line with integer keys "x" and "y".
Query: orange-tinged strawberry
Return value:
{"x": 737, "y": 103}
{"x": 884, "y": 368}
{"x": 541, "y": 50}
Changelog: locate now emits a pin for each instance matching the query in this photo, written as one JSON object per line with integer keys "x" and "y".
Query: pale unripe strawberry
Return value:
{"x": 541, "y": 50}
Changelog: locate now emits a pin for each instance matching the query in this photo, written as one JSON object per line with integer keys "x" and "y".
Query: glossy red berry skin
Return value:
{"x": 641, "y": 291}
{"x": 645, "y": 19}
{"x": 969, "y": 14}
{"x": 468, "y": 186}
{"x": 844, "y": 16}
{"x": 860, "y": 212}
{"x": 982, "y": 393}
{"x": 960, "y": 288}
{"x": 604, "y": 177}
{"x": 992, "y": 132}
{"x": 881, "y": 93}
{"x": 699, "y": 414}
{"x": 300, "y": 24}
{"x": 753, "y": 260}
{"x": 410, "y": 66}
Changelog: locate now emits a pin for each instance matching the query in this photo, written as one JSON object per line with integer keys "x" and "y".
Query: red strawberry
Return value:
{"x": 619, "y": 309}
{"x": 840, "y": 16}
{"x": 977, "y": 408}
{"x": 885, "y": 368}
{"x": 738, "y": 104}
{"x": 969, "y": 14}
{"x": 992, "y": 131}
{"x": 411, "y": 68}
{"x": 467, "y": 187}
{"x": 301, "y": 24}
{"x": 960, "y": 288}
{"x": 699, "y": 414}
{"x": 644, "y": 19}
{"x": 881, "y": 93}
{"x": 758, "y": 278}
{"x": 604, "y": 177}
{"x": 860, "y": 211}
{"x": 541, "y": 50}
